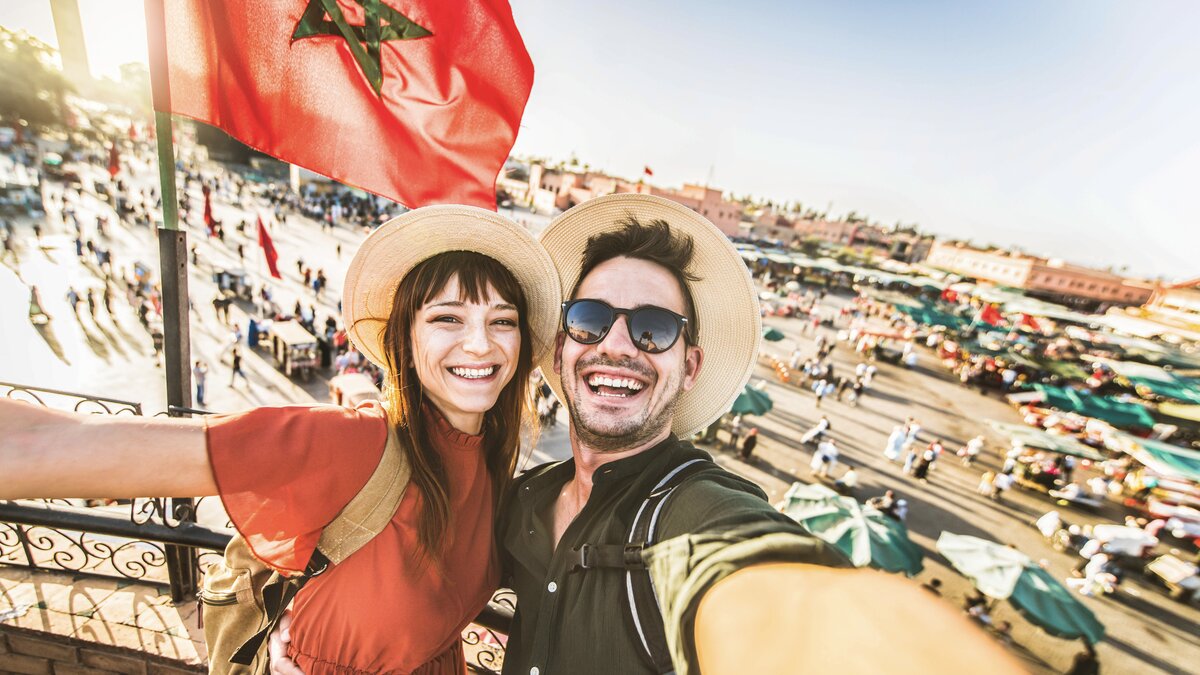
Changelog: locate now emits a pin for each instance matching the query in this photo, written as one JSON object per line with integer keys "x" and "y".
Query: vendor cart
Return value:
{"x": 1181, "y": 578}
{"x": 352, "y": 389}
{"x": 233, "y": 281}
{"x": 295, "y": 349}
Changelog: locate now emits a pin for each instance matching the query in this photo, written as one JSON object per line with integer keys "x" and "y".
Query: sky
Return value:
{"x": 1069, "y": 129}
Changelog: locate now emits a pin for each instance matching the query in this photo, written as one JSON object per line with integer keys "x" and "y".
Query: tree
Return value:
{"x": 32, "y": 86}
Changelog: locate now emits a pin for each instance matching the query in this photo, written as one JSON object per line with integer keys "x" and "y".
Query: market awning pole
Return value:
{"x": 172, "y": 256}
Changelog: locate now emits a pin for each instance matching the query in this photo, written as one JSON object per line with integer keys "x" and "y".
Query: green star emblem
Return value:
{"x": 380, "y": 24}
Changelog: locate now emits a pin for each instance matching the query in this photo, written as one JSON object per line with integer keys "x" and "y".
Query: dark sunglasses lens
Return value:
{"x": 653, "y": 330}
{"x": 588, "y": 322}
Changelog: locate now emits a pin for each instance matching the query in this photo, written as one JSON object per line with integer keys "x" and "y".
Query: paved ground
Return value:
{"x": 111, "y": 355}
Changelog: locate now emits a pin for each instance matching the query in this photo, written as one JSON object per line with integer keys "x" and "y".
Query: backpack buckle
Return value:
{"x": 617, "y": 556}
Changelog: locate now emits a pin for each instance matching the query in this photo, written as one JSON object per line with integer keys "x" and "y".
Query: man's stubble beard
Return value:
{"x": 625, "y": 436}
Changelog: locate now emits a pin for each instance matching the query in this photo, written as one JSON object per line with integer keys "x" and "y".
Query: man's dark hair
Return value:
{"x": 654, "y": 242}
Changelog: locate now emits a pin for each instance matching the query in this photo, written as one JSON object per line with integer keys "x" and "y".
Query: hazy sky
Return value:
{"x": 1070, "y": 129}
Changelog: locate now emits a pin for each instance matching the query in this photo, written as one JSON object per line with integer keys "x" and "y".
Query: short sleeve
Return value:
{"x": 284, "y": 473}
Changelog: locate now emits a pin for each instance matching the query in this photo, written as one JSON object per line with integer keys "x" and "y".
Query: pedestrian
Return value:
{"x": 842, "y": 386}
{"x": 846, "y": 484}
{"x": 869, "y": 375}
{"x": 37, "y": 314}
{"x": 195, "y": 256}
{"x": 199, "y": 375}
{"x": 971, "y": 450}
{"x": 824, "y": 459}
{"x": 241, "y": 251}
{"x": 1086, "y": 662}
{"x": 910, "y": 455}
{"x": 735, "y": 431}
{"x": 235, "y": 368}
{"x": 91, "y": 302}
{"x": 895, "y": 443}
{"x": 156, "y": 339}
{"x": 750, "y": 442}
{"x": 1002, "y": 483}
{"x": 107, "y": 298}
{"x": 37, "y": 232}
{"x": 920, "y": 468}
{"x": 818, "y": 430}
{"x": 74, "y": 299}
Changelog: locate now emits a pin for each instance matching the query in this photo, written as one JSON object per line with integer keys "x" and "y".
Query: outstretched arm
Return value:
{"x": 796, "y": 618}
{"x": 48, "y": 453}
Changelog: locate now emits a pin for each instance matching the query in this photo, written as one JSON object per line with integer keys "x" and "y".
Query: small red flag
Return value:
{"x": 647, "y": 170}
{"x": 949, "y": 295}
{"x": 268, "y": 247}
{"x": 991, "y": 316}
{"x": 417, "y": 101}
{"x": 209, "y": 221}
{"x": 114, "y": 161}
{"x": 1031, "y": 323}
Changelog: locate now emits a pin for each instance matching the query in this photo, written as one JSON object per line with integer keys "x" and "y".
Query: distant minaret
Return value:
{"x": 69, "y": 30}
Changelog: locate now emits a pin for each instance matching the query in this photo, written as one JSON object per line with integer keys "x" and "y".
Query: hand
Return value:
{"x": 278, "y": 643}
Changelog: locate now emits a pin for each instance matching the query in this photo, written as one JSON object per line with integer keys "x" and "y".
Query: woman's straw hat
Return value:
{"x": 724, "y": 297}
{"x": 391, "y": 251}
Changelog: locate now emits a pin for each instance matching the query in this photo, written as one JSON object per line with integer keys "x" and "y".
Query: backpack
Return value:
{"x": 243, "y": 599}
{"x": 641, "y": 604}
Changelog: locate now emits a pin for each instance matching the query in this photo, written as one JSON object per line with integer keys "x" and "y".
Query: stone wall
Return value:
{"x": 37, "y": 653}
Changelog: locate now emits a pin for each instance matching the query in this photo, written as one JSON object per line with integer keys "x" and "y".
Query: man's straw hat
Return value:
{"x": 391, "y": 251}
{"x": 724, "y": 297}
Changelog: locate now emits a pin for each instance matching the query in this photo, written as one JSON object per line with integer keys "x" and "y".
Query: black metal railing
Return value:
{"x": 159, "y": 542}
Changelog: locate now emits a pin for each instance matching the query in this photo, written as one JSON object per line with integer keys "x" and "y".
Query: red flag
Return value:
{"x": 114, "y": 161}
{"x": 418, "y": 102}
{"x": 1031, "y": 323}
{"x": 991, "y": 316}
{"x": 949, "y": 295}
{"x": 209, "y": 221}
{"x": 268, "y": 247}
{"x": 646, "y": 170}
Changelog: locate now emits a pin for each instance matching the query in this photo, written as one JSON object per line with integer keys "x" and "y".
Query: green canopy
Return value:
{"x": 752, "y": 402}
{"x": 1178, "y": 388}
{"x": 1044, "y": 440}
{"x": 863, "y": 533}
{"x": 926, "y": 315}
{"x": 772, "y": 334}
{"x": 1104, "y": 408}
{"x": 1162, "y": 458}
{"x": 1007, "y": 574}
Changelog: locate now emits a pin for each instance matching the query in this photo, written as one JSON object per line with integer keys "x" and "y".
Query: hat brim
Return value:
{"x": 397, "y": 246}
{"x": 725, "y": 300}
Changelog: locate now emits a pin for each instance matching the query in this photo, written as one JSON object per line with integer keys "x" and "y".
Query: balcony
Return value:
{"x": 89, "y": 587}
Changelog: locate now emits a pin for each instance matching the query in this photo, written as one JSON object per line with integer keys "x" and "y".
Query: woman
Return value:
{"x": 455, "y": 303}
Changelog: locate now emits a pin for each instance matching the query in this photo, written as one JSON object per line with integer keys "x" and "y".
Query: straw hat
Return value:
{"x": 391, "y": 251}
{"x": 725, "y": 299}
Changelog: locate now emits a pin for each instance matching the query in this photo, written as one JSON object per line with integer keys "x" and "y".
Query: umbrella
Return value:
{"x": 1007, "y": 574}
{"x": 772, "y": 334}
{"x": 1044, "y": 440}
{"x": 863, "y": 533}
{"x": 752, "y": 402}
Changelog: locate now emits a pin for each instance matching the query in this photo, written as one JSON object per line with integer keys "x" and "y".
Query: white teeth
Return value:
{"x": 473, "y": 373}
{"x": 615, "y": 383}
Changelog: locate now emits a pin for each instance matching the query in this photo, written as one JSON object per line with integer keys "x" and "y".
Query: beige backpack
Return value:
{"x": 242, "y": 599}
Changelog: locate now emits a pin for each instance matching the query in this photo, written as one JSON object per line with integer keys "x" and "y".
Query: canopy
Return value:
{"x": 1162, "y": 458}
{"x": 863, "y": 533}
{"x": 752, "y": 402}
{"x": 1044, "y": 440}
{"x": 1180, "y": 389}
{"x": 929, "y": 316}
{"x": 1104, "y": 408}
{"x": 772, "y": 334}
{"x": 1007, "y": 574}
{"x": 891, "y": 297}
{"x": 1180, "y": 410}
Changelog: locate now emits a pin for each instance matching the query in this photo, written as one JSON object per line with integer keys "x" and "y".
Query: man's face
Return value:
{"x": 615, "y": 418}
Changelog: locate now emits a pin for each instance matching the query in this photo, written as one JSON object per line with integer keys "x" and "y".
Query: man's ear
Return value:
{"x": 693, "y": 359}
{"x": 559, "y": 340}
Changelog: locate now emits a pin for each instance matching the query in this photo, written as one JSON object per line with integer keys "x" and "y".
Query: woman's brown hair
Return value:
{"x": 502, "y": 425}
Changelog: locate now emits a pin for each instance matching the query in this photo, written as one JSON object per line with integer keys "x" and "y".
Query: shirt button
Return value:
{"x": 552, "y": 587}
{"x": 534, "y": 671}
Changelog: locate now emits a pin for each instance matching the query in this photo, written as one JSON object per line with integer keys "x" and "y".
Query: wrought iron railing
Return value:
{"x": 159, "y": 541}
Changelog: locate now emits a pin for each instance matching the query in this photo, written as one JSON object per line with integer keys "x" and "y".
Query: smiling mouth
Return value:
{"x": 474, "y": 373}
{"x": 614, "y": 387}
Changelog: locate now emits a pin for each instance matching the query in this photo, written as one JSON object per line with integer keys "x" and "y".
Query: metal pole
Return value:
{"x": 172, "y": 251}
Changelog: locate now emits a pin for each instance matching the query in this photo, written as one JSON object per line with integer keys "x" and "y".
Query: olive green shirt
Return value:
{"x": 572, "y": 621}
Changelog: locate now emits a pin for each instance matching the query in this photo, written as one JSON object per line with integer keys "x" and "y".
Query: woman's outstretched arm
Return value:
{"x": 49, "y": 453}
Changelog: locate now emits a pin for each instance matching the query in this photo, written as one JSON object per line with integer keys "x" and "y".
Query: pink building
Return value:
{"x": 1039, "y": 276}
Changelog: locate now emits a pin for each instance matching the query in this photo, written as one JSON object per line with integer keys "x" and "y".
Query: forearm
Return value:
{"x": 50, "y": 453}
{"x": 792, "y": 617}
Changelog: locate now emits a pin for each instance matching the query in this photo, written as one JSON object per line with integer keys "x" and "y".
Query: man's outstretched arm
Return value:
{"x": 797, "y": 618}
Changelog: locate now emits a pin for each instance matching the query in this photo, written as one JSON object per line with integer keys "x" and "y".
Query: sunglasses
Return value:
{"x": 653, "y": 329}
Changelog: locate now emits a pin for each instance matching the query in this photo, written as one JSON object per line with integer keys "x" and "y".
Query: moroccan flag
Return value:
{"x": 1028, "y": 321}
{"x": 646, "y": 170}
{"x": 209, "y": 221}
{"x": 114, "y": 161}
{"x": 990, "y": 315}
{"x": 268, "y": 247}
{"x": 415, "y": 100}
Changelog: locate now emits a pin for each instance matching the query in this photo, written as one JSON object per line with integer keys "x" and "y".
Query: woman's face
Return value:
{"x": 465, "y": 353}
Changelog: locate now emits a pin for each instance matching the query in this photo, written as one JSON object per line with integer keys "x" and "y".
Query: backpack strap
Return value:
{"x": 365, "y": 516}
{"x": 642, "y": 605}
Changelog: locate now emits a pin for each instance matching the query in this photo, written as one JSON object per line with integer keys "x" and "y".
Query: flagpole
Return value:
{"x": 182, "y": 570}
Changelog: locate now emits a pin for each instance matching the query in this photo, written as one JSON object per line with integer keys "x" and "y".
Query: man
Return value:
{"x": 656, "y": 343}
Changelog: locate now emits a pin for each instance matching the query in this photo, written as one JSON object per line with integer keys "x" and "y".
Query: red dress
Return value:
{"x": 284, "y": 473}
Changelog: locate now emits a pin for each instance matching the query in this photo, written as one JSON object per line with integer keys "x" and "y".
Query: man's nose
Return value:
{"x": 618, "y": 343}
